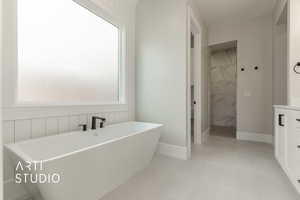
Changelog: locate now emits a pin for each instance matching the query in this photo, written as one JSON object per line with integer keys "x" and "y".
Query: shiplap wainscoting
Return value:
{"x": 24, "y": 129}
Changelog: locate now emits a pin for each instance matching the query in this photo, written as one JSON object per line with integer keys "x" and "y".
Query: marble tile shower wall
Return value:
{"x": 18, "y": 130}
{"x": 223, "y": 72}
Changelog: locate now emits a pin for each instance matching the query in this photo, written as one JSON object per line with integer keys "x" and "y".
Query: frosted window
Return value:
{"x": 66, "y": 54}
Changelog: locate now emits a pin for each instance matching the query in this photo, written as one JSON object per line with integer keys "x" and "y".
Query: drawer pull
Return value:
{"x": 298, "y": 181}
{"x": 280, "y": 119}
{"x": 298, "y": 120}
{"x": 298, "y": 146}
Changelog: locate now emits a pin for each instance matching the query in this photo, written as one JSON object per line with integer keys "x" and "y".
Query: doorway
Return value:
{"x": 223, "y": 89}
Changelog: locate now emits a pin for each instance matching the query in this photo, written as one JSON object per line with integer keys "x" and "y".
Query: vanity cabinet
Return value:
{"x": 287, "y": 141}
{"x": 281, "y": 136}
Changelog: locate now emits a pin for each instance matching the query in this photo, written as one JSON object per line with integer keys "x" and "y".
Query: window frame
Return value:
{"x": 12, "y": 100}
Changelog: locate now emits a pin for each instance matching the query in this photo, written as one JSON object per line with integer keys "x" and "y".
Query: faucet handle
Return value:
{"x": 84, "y": 126}
{"x": 103, "y": 120}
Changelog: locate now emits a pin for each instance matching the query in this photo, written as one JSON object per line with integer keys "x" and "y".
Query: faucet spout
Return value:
{"x": 94, "y": 120}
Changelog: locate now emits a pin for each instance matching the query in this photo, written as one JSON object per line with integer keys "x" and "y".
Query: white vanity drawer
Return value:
{"x": 296, "y": 114}
{"x": 297, "y": 172}
{"x": 294, "y": 122}
{"x": 293, "y": 153}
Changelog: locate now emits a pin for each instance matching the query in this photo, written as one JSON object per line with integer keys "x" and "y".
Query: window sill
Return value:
{"x": 52, "y": 105}
{"x": 30, "y": 111}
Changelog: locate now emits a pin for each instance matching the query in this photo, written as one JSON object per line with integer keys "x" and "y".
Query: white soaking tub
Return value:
{"x": 89, "y": 164}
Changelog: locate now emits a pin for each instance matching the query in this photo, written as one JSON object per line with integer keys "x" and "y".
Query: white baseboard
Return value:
{"x": 205, "y": 135}
{"x": 174, "y": 151}
{"x": 14, "y": 191}
{"x": 256, "y": 137}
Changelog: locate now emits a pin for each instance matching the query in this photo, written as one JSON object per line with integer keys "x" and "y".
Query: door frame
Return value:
{"x": 1, "y": 134}
{"x": 194, "y": 26}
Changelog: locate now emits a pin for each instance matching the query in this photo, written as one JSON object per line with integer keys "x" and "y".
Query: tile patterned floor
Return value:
{"x": 221, "y": 169}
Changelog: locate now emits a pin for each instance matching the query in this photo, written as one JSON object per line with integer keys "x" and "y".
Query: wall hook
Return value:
{"x": 295, "y": 68}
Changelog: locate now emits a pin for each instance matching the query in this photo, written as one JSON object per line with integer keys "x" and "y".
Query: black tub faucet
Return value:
{"x": 94, "y": 120}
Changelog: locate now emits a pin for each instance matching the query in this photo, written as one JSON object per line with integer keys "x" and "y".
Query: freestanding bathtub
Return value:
{"x": 90, "y": 164}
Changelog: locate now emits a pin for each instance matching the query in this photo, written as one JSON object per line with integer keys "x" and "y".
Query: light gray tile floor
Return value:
{"x": 221, "y": 169}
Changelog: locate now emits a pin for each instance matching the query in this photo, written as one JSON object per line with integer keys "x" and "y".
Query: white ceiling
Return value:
{"x": 216, "y": 11}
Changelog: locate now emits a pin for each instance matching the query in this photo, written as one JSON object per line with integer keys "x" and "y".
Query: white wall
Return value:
{"x": 293, "y": 51}
{"x": 289, "y": 35}
{"x": 161, "y": 78}
{"x": 20, "y": 123}
{"x": 161, "y": 66}
{"x": 280, "y": 65}
{"x": 254, "y": 48}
